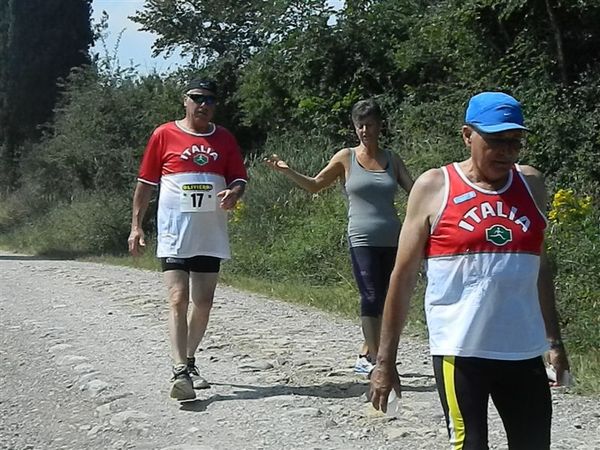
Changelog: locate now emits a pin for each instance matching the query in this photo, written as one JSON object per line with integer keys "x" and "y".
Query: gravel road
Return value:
{"x": 84, "y": 365}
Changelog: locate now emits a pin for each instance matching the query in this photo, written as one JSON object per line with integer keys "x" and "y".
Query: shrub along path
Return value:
{"x": 84, "y": 364}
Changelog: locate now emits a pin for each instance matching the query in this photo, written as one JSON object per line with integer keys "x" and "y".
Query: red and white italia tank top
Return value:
{"x": 483, "y": 258}
{"x": 191, "y": 169}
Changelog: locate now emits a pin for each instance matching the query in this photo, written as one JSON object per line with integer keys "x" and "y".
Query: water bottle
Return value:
{"x": 567, "y": 380}
{"x": 393, "y": 404}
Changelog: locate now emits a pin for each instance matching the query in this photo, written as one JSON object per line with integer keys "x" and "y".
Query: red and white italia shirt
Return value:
{"x": 191, "y": 169}
{"x": 483, "y": 258}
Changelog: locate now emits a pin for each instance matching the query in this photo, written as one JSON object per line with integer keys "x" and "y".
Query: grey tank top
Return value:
{"x": 372, "y": 217}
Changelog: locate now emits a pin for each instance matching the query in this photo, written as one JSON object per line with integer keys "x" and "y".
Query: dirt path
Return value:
{"x": 84, "y": 365}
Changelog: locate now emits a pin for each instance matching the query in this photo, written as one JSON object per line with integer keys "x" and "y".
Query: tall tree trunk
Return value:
{"x": 558, "y": 40}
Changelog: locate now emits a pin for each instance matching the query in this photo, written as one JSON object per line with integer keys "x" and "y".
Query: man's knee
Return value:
{"x": 178, "y": 297}
{"x": 204, "y": 302}
{"x": 203, "y": 287}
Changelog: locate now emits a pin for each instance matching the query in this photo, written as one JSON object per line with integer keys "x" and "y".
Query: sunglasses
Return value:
{"x": 201, "y": 98}
{"x": 511, "y": 143}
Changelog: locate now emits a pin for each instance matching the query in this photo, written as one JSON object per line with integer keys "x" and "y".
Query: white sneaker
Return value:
{"x": 363, "y": 366}
{"x": 181, "y": 387}
{"x": 197, "y": 380}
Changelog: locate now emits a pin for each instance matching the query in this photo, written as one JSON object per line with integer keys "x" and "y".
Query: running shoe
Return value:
{"x": 182, "y": 387}
{"x": 197, "y": 380}
{"x": 363, "y": 365}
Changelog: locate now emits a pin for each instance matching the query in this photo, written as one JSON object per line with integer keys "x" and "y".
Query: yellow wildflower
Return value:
{"x": 567, "y": 207}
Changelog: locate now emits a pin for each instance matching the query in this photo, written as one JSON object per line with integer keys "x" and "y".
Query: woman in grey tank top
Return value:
{"x": 371, "y": 176}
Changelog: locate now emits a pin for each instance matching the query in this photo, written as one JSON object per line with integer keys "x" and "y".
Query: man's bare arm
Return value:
{"x": 423, "y": 202}
{"x": 141, "y": 200}
{"x": 546, "y": 291}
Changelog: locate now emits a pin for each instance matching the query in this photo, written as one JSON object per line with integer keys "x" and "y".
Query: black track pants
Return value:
{"x": 519, "y": 390}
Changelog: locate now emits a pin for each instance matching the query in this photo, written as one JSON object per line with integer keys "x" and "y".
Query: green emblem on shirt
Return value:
{"x": 498, "y": 235}
{"x": 201, "y": 159}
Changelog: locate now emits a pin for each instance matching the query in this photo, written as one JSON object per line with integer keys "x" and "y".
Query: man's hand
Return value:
{"x": 557, "y": 357}
{"x": 229, "y": 198}
{"x": 384, "y": 378}
{"x": 136, "y": 242}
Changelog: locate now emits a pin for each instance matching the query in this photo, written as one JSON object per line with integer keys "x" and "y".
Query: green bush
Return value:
{"x": 22, "y": 206}
{"x": 426, "y": 132}
{"x": 573, "y": 245}
{"x": 565, "y": 138}
{"x": 285, "y": 233}
{"x": 99, "y": 133}
{"x": 90, "y": 225}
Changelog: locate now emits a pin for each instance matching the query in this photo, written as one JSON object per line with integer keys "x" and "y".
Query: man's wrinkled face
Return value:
{"x": 200, "y": 104}
{"x": 494, "y": 153}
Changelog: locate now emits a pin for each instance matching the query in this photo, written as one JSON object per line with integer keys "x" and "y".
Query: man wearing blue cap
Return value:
{"x": 479, "y": 224}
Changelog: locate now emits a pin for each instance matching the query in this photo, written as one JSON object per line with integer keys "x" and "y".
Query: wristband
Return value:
{"x": 556, "y": 343}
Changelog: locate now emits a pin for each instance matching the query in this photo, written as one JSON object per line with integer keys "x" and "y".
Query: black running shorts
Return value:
{"x": 200, "y": 264}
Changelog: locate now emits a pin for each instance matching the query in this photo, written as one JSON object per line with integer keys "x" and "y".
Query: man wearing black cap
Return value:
{"x": 490, "y": 305}
{"x": 201, "y": 174}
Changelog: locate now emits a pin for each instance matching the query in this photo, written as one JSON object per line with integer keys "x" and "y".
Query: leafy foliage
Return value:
{"x": 99, "y": 132}
{"x": 211, "y": 30}
{"x": 274, "y": 219}
{"x": 222, "y": 36}
{"x": 573, "y": 239}
{"x": 32, "y": 65}
{"x": 87, "y": 225}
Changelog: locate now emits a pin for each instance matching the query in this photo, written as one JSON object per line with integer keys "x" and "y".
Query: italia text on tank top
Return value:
{"x": 372, "y": 217}
{"x": 483, "y": 258}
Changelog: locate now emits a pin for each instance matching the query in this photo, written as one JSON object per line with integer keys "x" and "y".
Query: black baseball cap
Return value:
{"x": 201, "y": 83}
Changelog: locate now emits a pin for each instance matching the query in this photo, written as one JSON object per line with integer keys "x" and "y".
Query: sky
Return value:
{"x": 135, "y": 46}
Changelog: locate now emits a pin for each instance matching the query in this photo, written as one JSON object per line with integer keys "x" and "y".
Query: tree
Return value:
{"x": 208, "y": 31}
{"x": 222, "y": 36}
{"x": 41, "y": 42}
{"x": 97, "y": 152}
{"x": 493, "y": 42}
{"x": 310, "y": 78}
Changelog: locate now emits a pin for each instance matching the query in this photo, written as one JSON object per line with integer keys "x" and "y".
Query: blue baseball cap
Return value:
{"x": 493, "y": 112}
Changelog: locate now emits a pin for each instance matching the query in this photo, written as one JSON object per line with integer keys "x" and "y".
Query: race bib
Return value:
{"x": 198, "y": 197}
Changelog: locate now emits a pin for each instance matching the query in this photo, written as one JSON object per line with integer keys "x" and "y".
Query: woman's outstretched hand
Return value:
{"x": 276, "y": 163}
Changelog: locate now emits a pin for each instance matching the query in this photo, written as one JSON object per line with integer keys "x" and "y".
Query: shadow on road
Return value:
{"x": 36, "y": 258}
{"x": 51, "y": 254}
{"x": 325, "y": 390}
{"x": 415, "y": 375}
